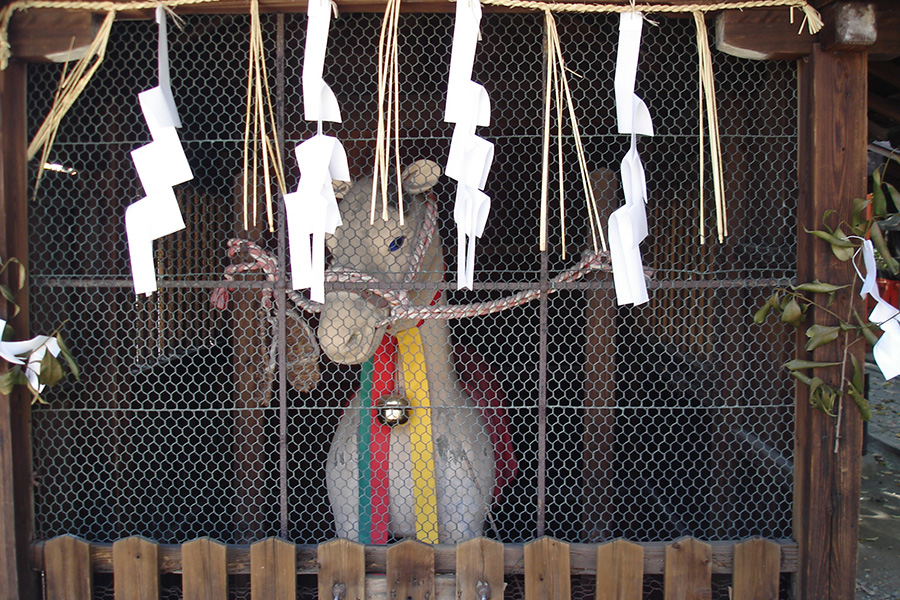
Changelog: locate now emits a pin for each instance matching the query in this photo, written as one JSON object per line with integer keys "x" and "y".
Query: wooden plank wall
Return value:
{"x": 181, "y": 315}
{"x": 411, "y": 569}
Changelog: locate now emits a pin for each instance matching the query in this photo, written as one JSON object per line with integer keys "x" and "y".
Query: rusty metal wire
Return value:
{"x": 652, "y": 422}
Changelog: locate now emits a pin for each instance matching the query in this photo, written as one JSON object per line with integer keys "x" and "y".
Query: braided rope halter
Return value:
{"x": 398, "y": 299}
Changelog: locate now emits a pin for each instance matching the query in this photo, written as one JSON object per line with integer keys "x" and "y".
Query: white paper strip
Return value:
{"x": 148, "y": 219}
{"x": 470, "y": 157}
{"x": 313, "y": 210}
{"x": 35, "y": 348}
{"x": 13, "y": 351}
{"x": 319, "y": 102}
{"x": 462, "y": 59}
{"x": 887, "y": 350}
{"x": 628, "y": 224}
{"x": 630, "y": 119}
{"x": 161, "y": 164}
{"x": 470, "y": 213}
{"x": 165, "y": 84}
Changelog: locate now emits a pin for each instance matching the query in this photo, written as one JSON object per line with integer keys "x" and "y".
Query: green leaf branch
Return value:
{"x": 50, "y": 370}
{"x": 791, "y": 304}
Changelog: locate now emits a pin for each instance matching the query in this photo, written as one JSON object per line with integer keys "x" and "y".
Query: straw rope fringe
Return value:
{"x": 557, "y": 84}
{"x": 708, "y": 96}
{"x": 388, "y": 111}
{"x": 255, "y": 131}
{"x": 811, "y": 17}
{"x": 70, "y": 87}
{"x": 258, "y": 97}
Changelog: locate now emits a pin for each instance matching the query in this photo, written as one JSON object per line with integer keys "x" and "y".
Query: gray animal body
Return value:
{"x": 348, "y": 333}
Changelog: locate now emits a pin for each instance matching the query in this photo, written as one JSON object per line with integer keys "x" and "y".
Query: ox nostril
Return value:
{"x": 354, "y": 339}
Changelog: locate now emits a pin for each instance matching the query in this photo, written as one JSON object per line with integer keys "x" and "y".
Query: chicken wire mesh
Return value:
{"x": 650, "y": 422}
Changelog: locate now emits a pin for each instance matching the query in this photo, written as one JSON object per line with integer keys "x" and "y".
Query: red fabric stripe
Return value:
{"x": 479, "y": 382}
{"x": 380, "y": 448}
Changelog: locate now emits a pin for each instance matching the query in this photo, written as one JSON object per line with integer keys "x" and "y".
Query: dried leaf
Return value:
{"x": 879, "y": 202}
{"x": 8, "y": 381}
{"x": 819, "y": 335}
{"x": 67, "y": 356}
{"x": 818, "y": 287}
{"x": 831, "y": 238}
{"x": 10, "y": 297}
{"x": 792, "y": 314}
{"x": 882, "y": 247}
{"x": 51, "y": 370}
{"x": 808, "y": 364}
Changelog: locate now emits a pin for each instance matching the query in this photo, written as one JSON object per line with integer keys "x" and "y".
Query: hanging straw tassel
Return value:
{"x": 708, "y": 96}
{"x": 388, "y": 111}
{"x": 556, "y": 80}
{"x": 811, "y": 18}
{"x": 258, "y": 138}
{"x": 70, "y": 87}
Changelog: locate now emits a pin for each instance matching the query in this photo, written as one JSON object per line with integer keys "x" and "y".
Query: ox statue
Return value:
{"x": 353, "y": 326}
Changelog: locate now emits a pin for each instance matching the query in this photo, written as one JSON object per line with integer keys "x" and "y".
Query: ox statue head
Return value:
{"x": 349, "y": 330}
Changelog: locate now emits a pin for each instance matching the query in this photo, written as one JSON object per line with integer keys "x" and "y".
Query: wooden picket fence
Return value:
{"x": 410, "y": 570}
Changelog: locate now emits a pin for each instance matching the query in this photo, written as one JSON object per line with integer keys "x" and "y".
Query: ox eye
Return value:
{"x": 397, "y": 243}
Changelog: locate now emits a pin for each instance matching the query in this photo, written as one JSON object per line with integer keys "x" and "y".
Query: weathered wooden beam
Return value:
{"x": 763, "y": 34}
{"x": 832, "y": 172}
{"x": 768, "y": 34}
{"x": 884, "y": 107}
{"x": 16, "y": 518}
{"x": 885, "y": 71}
{"x": 54, "y": 35}
{"x": 887, "y": 22}
{"x": 583, "y": 558}
{"x": 848, "y": 26}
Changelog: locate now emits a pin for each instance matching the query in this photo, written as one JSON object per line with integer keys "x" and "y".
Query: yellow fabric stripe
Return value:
{"x": 415, "y": 378}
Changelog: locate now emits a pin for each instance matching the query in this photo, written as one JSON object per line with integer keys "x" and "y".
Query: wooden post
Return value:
{"x": 620, "y": 570}
{"x": 67, "y": 569}
{"x": 547, "y": 570}
{"x": 273, "y": 570}
{"x": 756, "y": 569}
{"x": 204, "y": 570}
{"x": 832, "y": 171}
{"x": 16, "y": 506}
{"x": 688, "y": 573}
{"x": 136, "y": 569}
{"x": 479, "y": 569}
{"x": 342, "y": 568}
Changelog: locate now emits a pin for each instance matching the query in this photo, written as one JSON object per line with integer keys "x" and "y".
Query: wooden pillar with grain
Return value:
{"x": 832, "y": 171}
{"x": 601, "y": 311}
{"x": 252, "y": 393}
{"x": 16, "y": 496}
{"x": 410, "y": 571}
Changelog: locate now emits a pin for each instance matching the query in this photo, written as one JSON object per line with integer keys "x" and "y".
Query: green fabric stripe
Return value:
{"x": 365, "y": 458}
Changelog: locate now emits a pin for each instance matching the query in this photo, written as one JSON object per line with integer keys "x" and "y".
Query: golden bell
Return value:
{"x": 392, "y": 410}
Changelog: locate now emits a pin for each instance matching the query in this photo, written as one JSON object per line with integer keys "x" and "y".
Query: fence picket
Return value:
{"x": 136, "y": 569}
{"x": 620, "y": 571}
{"x": 410, "y": 571}
{"x": 273, "y": 570}
{"x": 67, "y": 568}
{"x": 479, "y": 562}
{"x": 547, "y": 570}
{"x": 688, "y": 573}
{"x": 204, "y": 570}
{"x": 757, "y": 564}
{"x": 342, "y": 563}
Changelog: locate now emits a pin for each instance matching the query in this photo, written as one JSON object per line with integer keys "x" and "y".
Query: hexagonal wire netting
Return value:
{"x": 649, "y": 422}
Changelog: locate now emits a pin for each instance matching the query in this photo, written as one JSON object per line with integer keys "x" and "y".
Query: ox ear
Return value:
{"x": 340, "y": 188}
{"x": 420, "y": 176}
